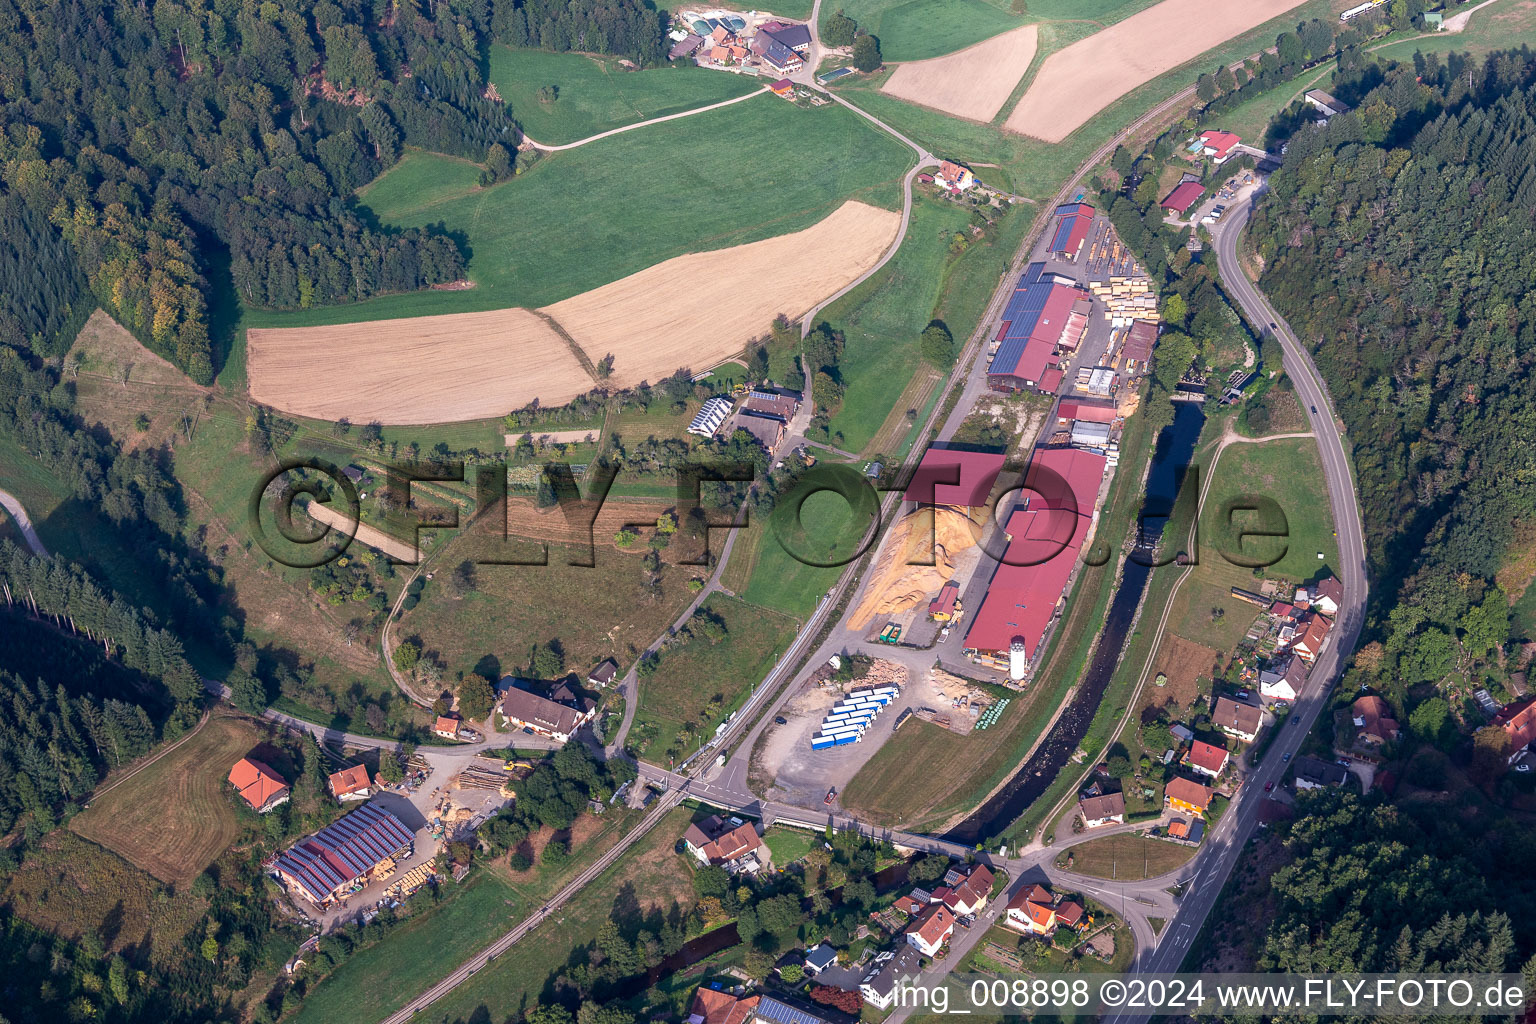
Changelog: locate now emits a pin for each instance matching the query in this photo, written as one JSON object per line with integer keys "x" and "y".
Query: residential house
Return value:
{"x": 879, "y": 986}
{"x": 773, "y": 402}
{"x": 557, "y": 716}
{"x": 819, "y": 958}
{"x": 780, "y": 57}
{"x": 1035, "y": 910}
{"x": 931, "y": 929}
{"x": 730, "y": 843}
{"x": 1102, "y": 810}
{"x": 1327, "y": 596}
{"x": 1373, "y": 721}
{"x": 1234, "y": 719}
{"x": 604, "y": 673}
{"x": 446, "y": 726}
{"x": 913, "y": 902}
{"x": 965, "y": 890}
{"x": 1283, "y": 680}
{"x": 1186, "y": 795}
{"x": 350, "y": 784}
{"x": 791, "y": 34}
{"x": 1206, "y": 758}
{"x": 1218, "y": 145}
{"x": 712, "y": 1006}
{"x": 258, "y": 785}
{"x": 954, "y": 177}
{"x": 1309, "y": 640}
{"x": 1518, "y": 720}
{"x": 1312, "y": 773}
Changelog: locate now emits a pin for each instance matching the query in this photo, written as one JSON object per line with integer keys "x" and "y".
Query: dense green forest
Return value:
{"x": 1398, "y": 241}
{"x": 1377, "y": 888}
{"x": 180, "y": 145}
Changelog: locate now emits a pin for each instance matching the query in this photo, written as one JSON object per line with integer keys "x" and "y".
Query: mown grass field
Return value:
{"x": 174, "y": 817}
{"x": 1504, "y": 26}
{"x": 650, "y": 876}
{"x": 585, "y": 217}
{"x": 920, "y": 29}
{"x": 696, "y": 671}
{"x": 418, "y": 953}
{"x": 829, "y": 529}
{"x": 1127, "y": 857}
{"x": 1289, "y": 472}
{"x": 789, "y": 844}
{"x": 594, "y": 94}
{"x": 883, "y": 318}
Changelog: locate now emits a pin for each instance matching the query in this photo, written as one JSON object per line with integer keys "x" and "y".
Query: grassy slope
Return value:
{"x": 175, "y": 840}
{"x": 650, "y": 871}
{"x": 595, "y": 95}
{"x": 693, "y": 672}
{"x": 1289, "y": 472}
{"x": 583, "y": 218}
{"x": 830, "y": 529}
{"x": 597, "y": 612}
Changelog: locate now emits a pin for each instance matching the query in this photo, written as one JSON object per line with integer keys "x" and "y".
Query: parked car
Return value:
{"x": 781, "y": 720}
{"x": 1343, "y": 762}
{"x": 1522, "y": 767}
{"x": 1268, "y": 786}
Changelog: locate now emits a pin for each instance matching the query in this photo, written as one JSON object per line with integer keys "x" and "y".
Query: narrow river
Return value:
{"x": 1175, "y": 447}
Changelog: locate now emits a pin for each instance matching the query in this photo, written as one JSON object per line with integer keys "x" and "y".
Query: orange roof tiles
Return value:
{"x": 256, "y": 782}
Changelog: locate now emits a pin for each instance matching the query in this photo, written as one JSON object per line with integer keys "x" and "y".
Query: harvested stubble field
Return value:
{"x": 431, "y": 369}
{"x": 700, "y": 309}
{"x": 363, "y": 533}
{"x": 973, "y": 83}
{"x": 1076, "y": 83}
{"x": 172, "y": 817}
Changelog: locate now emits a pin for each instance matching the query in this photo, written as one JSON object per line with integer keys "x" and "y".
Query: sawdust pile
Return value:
{"x": 898, "y": 585}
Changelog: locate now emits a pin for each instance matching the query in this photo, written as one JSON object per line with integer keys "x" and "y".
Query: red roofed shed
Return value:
{"x": 1182, "y": 197}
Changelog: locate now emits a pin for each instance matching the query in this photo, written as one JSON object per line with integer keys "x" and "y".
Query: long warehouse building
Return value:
{"x": 1038, "y": 323}
{"x": 344, "y": 853}
{"x": 1045, "y": 539}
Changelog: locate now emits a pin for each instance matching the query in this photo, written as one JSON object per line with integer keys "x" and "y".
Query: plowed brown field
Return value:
{"x": 972, "y": 83}
{"x": 1076, "y": 83}
{"x": 430, "y": 369}
{"x": 697, "y": 310}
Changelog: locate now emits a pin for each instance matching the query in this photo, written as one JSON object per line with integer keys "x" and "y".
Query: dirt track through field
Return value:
{"x": 972, "y": 83}
{"x": 697, "y": 310}
{"x": 369, "y": 535}
{"x": 1076, "y": 83}
{"x": 431, "y": 369}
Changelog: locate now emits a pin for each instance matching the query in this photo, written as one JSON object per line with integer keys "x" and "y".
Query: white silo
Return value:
{"x": 1018, "y": 660}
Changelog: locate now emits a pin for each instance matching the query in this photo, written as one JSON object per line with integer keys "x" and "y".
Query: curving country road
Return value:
{"x": 1236, "y": 826}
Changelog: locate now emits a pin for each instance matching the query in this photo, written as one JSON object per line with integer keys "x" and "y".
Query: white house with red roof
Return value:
{"x": 1218, "y": 145}
{"x": 1518, "y": 720}
{"x": 1206, "y": 758}
{"x": 930, "y": 930}
{"x": 965, "y": 891}
{"x": 1035, "y": 910}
